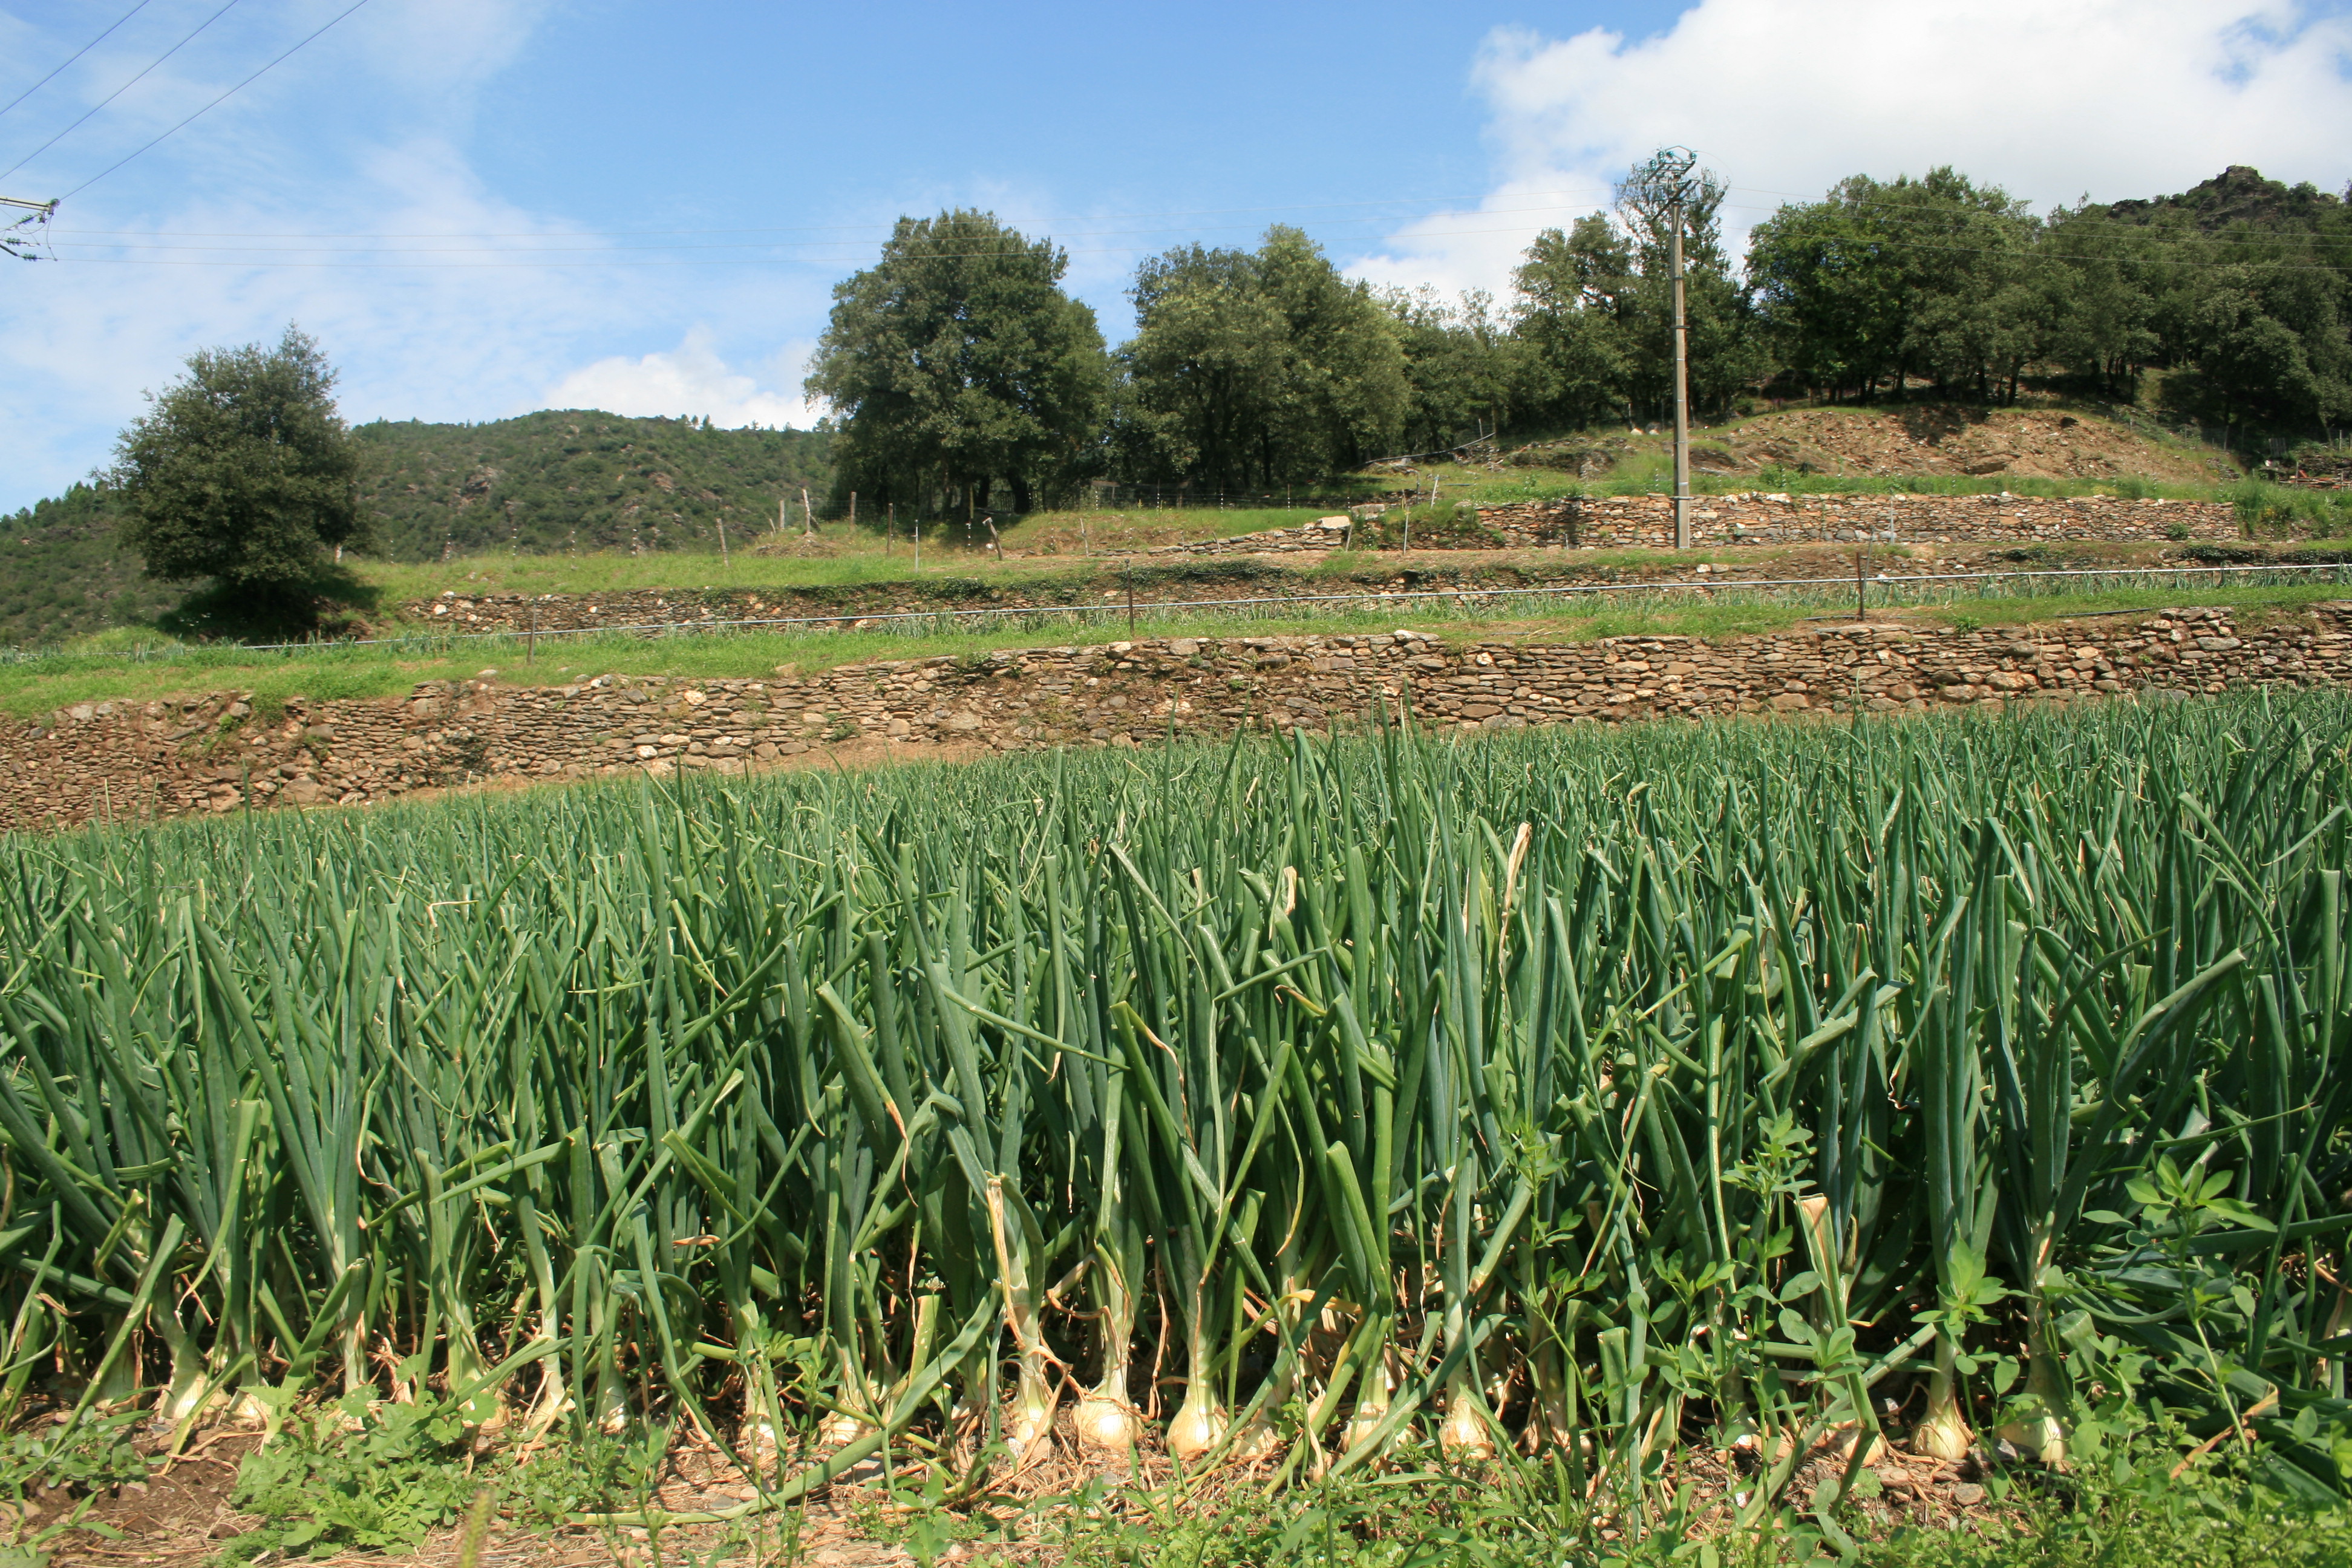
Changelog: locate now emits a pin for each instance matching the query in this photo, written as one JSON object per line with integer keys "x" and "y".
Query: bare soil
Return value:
{"x": 1927, "y": 438}
{"x": 1944, "y": 439}
{"x": 181, "y": 1518}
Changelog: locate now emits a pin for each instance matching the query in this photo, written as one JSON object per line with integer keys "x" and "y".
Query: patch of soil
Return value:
{"x": 178, "y": 1515}
{"x": 1944, "y": 439}
{"x": 181, "y": 1518}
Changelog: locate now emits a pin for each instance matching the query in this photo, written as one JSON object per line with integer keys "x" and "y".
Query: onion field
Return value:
{"x": 1598, "y": 1095}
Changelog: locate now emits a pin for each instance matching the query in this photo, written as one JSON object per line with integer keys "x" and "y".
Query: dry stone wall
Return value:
{"x": 1612, "y": 522}
{"x": 126, "y": 760}
{"x": 1625, "y": 522}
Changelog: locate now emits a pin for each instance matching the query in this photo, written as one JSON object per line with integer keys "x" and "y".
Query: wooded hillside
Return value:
{"x": 578, "y": 480}
{"x": 543, "y": 483}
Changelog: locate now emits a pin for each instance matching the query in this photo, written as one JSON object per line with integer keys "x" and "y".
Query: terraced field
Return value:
{"x": 1621, "y": 1099}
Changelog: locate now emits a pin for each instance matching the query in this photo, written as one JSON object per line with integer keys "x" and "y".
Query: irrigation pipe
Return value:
{"x": 1369, "y": 599}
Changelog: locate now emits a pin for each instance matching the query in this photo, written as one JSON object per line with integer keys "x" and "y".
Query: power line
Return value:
{"x": 827, "y": 228}
{"x": 687, "y": 262}
{"x": 611, "y": 257}
{"x": 118, "y": 93}
{"x": 868, "y": 238}
{"x": 213, "y": 105}
{"x": 559, "y": 242}
{"x": 76, "y": 55}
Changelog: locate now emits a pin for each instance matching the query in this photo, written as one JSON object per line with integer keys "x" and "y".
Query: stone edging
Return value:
{"x": 1646, "y": 522}
{"x": 132, "y": 760}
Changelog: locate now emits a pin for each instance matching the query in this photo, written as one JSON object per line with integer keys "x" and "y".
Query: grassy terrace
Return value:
{"x": 1047, "y": 544}
{"x": 844, "y": 558}
{"x": 332, "y": 671}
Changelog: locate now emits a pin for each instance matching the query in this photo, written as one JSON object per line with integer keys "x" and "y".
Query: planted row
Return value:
{"x": 1592, "y": 1093}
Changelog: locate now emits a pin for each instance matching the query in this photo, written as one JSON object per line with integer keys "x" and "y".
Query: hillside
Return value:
{"x": 575, "y": 479}
{"x": 543, "y": 483}
{"x": 62, "y": 577}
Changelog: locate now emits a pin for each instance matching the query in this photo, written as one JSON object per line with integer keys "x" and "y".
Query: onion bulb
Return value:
{"x": 1197, "y": 1425}
{"x": 1943, "y": 1432}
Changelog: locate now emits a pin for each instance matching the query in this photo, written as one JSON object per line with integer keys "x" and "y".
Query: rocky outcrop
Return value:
{"x": 127, "y": 761}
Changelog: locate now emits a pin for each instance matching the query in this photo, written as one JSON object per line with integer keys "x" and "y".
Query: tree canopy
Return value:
{"x": 1256, "y": 370}
{"x": 957, "y": 361}
{"x": 2241, "y": 288}
{"x": 241, "y": 471}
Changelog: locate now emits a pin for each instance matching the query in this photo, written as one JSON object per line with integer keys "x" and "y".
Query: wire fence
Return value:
{"x": 1192, "y": 498}
{"x": 1910, "y": 590}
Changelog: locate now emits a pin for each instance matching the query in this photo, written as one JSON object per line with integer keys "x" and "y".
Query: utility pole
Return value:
{"x": 1665, "y": 184}
{"x": 1682, "y": 393}
{"x": 23, "y": 238}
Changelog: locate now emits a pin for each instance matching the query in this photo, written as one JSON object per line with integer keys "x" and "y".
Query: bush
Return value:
{"x": 1448, "y": 525}
{"x": 2263, "y": 507}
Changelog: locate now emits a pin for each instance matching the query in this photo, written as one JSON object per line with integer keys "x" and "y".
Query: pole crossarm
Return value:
{"x": 25, "y": 237}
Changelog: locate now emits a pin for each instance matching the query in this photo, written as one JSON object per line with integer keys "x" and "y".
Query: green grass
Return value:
{"x": 2270, "y": 509}
{"x": 856, "y": 559}
{"x": 334, "y": 671}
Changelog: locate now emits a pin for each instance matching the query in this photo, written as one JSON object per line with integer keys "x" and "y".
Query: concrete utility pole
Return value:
{"x": 1664, "y": 183}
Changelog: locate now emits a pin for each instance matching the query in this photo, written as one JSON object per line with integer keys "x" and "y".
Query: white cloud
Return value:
{"x": 691, "y": 379}
{"x": 2051, "y": 99}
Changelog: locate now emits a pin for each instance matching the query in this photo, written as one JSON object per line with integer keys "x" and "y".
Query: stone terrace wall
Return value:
{"x": 1619, "y": 523}
{"x": 1613, "y": 522}
{"x": 119, "y": 761}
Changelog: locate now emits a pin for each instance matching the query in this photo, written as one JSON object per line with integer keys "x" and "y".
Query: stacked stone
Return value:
{"x": 128, "y": 761}
{"x": 1646, "y": 522}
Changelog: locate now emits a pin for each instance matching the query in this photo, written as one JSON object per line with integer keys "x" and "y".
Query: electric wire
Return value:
{"x": 867, "y": 239}
{"x": 819, "y": 228}
{"x": 2148, "y": 250}
{"x": 78, "y": 54}
{"x": 118, "y": 93}
{"x": 216, "y": 103}
{"x": 535, "y": 257}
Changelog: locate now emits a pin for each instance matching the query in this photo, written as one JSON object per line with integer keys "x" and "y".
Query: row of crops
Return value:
{"x": 1595, "y": 1095}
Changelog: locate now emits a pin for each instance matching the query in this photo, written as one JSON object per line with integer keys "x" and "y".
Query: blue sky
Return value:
{"x": 485, "y": 206}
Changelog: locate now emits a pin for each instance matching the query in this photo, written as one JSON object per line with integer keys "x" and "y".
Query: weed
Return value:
{"x": 595, "y": 1474}
{"x": 87, "y": 1458}
{"x": 329, "y": 1489}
